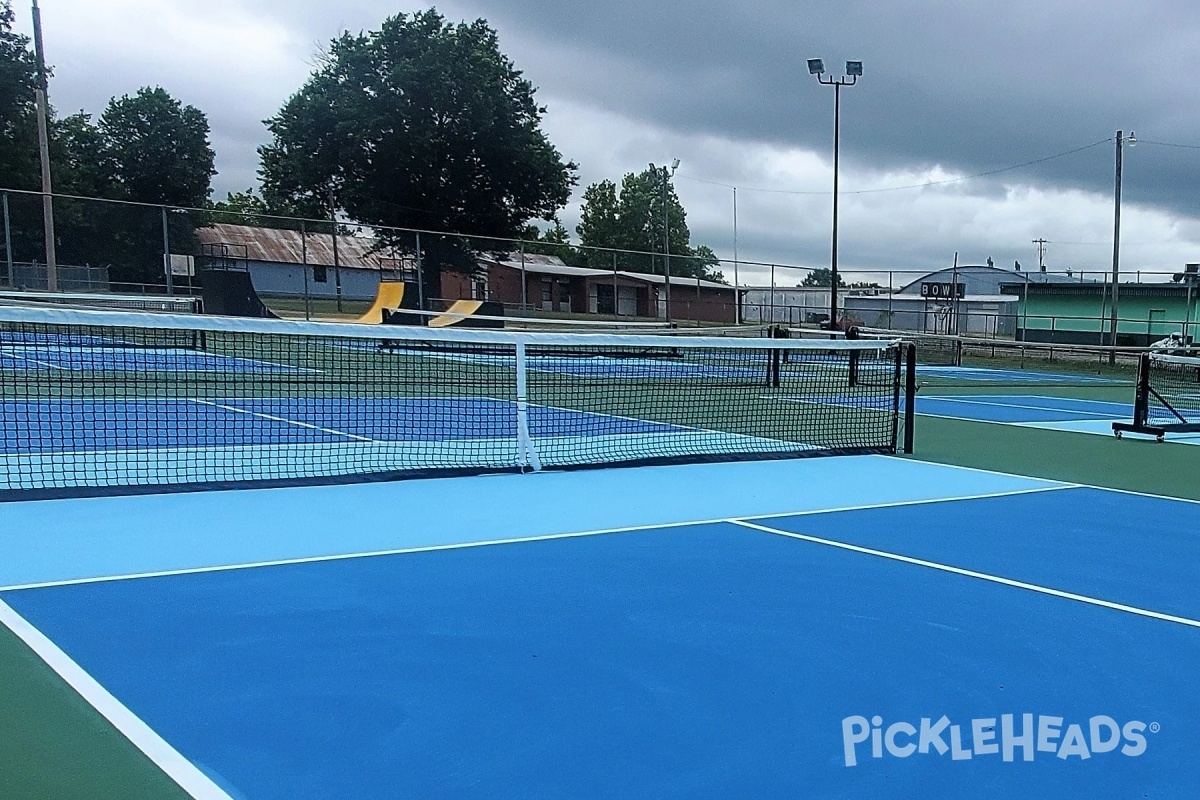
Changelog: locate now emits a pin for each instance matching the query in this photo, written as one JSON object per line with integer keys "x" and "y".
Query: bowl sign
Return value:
{"x": 946, "y": 290}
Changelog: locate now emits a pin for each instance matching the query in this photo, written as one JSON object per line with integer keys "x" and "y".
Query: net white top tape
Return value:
{"x": 1179, "y": 361}
{"x": 416, "y": 334}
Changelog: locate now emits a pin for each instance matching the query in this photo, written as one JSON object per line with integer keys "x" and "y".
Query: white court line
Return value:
{"x": 297, "y": 423}
{"x": 45, "y": 364}
{"x": 143, "y": 737}
{"x": 983, "y": 576}
{"x": 433, "y": 548}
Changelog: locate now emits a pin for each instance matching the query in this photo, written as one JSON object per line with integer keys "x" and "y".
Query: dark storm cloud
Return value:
{"x": 946, "y": 83}
{"x": 964, "y": 87}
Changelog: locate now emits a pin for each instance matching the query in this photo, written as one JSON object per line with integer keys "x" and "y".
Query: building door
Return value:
{"x": 606, "y": 299}
{"x": 1155, "y": 329}
{"x": 627, "y": 301}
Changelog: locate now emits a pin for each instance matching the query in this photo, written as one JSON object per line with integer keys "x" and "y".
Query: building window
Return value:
{"x": 547, "y": 291}
{"x": 479, "y": 287}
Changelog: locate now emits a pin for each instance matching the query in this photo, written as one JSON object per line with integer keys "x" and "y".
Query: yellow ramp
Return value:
{"x": 389, "y": 296}
{"x": 455, "y": 313}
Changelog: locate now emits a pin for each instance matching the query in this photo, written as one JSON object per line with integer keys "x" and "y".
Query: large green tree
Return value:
{"x": 552, "y": 241}
{"x": 18, "y": 118}
{"x": 633, "y": 219}
{"x": 158, "y": 148}
{"x": 19, "y": 165}
{"x": 148, "y": 148}
{"x": 422, "y": 124}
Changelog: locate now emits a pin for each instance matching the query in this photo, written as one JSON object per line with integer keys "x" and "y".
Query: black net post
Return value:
{"x": 1141, "y": 400}
{"x": 910, "y": 395}
{"x": 777, "y": 357}
{"x": 852, "y": 334}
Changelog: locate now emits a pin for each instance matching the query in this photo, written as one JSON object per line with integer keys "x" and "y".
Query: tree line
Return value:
{"x": 422, "y": 124}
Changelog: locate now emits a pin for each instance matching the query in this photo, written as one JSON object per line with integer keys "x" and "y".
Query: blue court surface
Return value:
{"x": 78, "y": 356}
{"x": 1016, "y": 376}
{"x": 841, "y": 627}
{"x": 1033, "y": 411}
{"x": 31, "y": 426}
{"x": 56, "y": 443}
{"x": 629, "y": 367}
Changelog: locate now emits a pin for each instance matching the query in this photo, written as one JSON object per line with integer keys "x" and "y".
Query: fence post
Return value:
{"x": 616, "y": 290}
{"x": 772, "y": 303}
{"x": 8, "y": 256}
{"x": 420, "y": 275}
{"x": 304, "y": 268}
{"x": 337, "y": 267}
{"x": 524, "y": 280}
{"x": 167, "y": 254}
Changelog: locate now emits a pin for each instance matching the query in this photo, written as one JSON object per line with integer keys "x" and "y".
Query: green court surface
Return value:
{"x": 54, "y": 745}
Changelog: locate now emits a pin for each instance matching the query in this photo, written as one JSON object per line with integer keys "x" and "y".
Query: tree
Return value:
{"x": 421, "y": 124}
{"x": 598, "y": 224}
{"x": 822, "y": 276}
{"x": 148, "y": 148}
{"x": 706, "y": 264}
{"x": 81, "y": 165}
{"x": 553, "y": 241}
{"x": 18, "y": 116}
{"x": 240, "y": 208}
{"x": 633, "y": 220}
{"x": 158, "y": 149}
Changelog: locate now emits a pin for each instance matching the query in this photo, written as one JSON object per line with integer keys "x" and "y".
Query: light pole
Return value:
{"x": 853, "y": 72}
{"x": 667, "y": 234}
{"x": 43, "y": 87}
{"x": 737, "y": 297}
{"x": 1116, "y": 264}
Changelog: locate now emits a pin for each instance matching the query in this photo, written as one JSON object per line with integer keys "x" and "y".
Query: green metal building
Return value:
{"x": 1081, "y": 313}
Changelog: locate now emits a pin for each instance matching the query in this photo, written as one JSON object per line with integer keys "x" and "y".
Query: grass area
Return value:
{"x": 317, "y": 308}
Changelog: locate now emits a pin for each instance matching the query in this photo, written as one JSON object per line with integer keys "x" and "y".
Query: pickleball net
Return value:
{"x": 1167, "y": 398}
{"x": 96, "y": 402}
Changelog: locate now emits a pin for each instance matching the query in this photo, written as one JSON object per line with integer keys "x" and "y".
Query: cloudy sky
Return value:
{"x": 954, "y": 94}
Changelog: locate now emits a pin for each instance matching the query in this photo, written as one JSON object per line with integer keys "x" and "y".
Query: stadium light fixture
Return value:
{"x": 853, "y": 72}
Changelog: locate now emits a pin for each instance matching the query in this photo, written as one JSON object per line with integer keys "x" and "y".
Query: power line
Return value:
{"x": 915, "y": 185}
{"x": 1170, "y": 144}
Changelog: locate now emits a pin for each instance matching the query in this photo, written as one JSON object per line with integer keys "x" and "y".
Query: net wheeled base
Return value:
{"x": 1159, "y": 432}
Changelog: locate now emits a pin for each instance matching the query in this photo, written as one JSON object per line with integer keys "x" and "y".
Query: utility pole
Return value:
{"x": 1116, "y": 261}
{"x": 1041, "y": 243}
{"x": 737, "y": 297}
{"x": 44, "y": 151}
{"x": 667, "y": 235}
{"x": 337, "y": 267}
